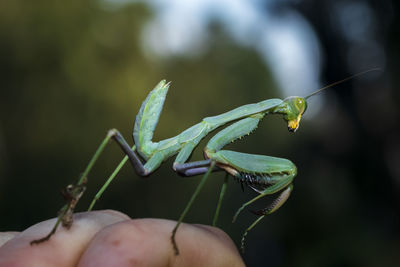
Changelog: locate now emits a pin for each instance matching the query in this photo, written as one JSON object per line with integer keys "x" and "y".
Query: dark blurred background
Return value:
{"x": 70, "y": 71}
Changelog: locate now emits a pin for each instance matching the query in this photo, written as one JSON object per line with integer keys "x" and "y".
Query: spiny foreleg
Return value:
{"x": 274, "y": 206}
{"x": 276, "y": 183}
{"x": 231, "y": 133}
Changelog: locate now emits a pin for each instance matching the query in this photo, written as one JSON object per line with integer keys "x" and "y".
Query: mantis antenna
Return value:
{"x": 341, "y": 81}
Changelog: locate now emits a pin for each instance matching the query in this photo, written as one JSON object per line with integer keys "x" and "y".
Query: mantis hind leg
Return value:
{"x": 141, "y": 169}
{"x": 130, "y": 152}
{"x": 72, "y": 194}
{"x": 145, "y": 124}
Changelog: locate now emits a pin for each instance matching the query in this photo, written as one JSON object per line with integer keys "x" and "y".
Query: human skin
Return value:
{"x": 110, "y": 238}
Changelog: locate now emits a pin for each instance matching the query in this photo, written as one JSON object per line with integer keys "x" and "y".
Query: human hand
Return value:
{"x": 110, "y": 238}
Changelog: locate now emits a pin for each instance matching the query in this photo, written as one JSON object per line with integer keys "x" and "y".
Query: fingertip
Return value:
{"x": 63, "y": 248}
{"x": 219, "y": 235}
{"x": 135, "y": 242}
{"x": 114, "y": 213}
{"x": 5, "y": 236}
{"x": 148, "y": 242}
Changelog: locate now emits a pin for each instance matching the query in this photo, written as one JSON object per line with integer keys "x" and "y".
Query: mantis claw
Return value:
{"x": 173, "y": 241}
{"x": 260, "y": 212}
{"x": 72, "y": 194}
{"x": 255, "y": 189}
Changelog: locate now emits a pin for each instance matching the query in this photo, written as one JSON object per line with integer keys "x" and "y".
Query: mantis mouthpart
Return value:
{"x": 265, "y": 175}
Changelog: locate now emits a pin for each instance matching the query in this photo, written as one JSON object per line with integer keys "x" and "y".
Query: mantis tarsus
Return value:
{"x": 264, "y": 174}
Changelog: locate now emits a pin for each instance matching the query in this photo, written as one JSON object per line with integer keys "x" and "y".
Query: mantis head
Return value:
{"x": 295, "y": 106}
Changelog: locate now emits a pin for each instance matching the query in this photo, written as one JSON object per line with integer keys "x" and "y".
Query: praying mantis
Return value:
{"x": 265, "y": 175}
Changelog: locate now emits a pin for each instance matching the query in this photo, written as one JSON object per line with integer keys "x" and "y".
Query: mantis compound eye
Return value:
{"x": 300, "y": 104}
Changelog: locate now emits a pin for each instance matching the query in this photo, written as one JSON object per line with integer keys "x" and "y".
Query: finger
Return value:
{"x": 64, "y": 248}
{"x": 5, "y": 236}
{"x": 146, "y": 242}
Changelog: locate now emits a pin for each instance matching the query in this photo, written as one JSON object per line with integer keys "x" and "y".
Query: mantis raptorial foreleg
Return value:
{"x": 275, "y": 205}
{"x": 236, "y": 130}
{"x": 225, "y": 160}
{"x": 271, "y": 189}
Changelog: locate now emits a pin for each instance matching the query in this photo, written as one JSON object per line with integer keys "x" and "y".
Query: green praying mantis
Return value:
{"x": 265, "y": 175}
